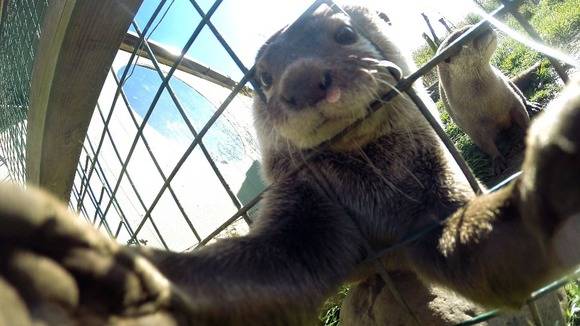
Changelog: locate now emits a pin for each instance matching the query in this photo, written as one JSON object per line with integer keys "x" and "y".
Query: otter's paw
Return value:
{"x": 550, "y": 184}
{"x": 63, "y": 270}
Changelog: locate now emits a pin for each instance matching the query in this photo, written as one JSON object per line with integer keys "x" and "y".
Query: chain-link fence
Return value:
{"x": 20, "y": 24}
{"x": 164, "y": 163}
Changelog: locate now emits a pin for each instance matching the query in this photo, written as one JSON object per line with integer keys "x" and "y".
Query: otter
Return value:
{"x": 322, "y": 220}
{"x": 480, "y": 99}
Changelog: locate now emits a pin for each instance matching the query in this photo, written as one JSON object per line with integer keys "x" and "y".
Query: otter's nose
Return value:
{"x": 305, "y": 84}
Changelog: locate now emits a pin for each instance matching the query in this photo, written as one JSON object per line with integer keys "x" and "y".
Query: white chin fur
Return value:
{"x": 312, "y": 126}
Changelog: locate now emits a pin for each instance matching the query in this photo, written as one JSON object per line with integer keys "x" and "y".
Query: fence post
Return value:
{"x": 78, "y": 44}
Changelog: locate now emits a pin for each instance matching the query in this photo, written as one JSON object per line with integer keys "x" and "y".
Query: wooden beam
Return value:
{"x": 3, "y": 7}
{"x": 168, "y": 58}
{"x": 77, "y": 46}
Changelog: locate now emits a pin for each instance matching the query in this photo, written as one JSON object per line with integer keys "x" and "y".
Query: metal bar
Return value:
{"x": 85, "y": 168}
{"x": 535, "y": 295}
{"x": 189, "y": 150}
{"x": 115, "y": 98}
{"x": 81, "y": 204}
{"x": 155, "y": 162}
{"x": 118, "y": 231}
{"x": 156, "y": 98}
{"x": 191, "y": 128}
{"x": 448, "y": 143}
{"x": 481, "y": 318}
{"x": 76, "y": 193}
{"x": 105, "y": 182}
{"x": 223, "y": 42}
{"x": 102, "y": 176}
{"x": 93, "y": 201}
{"x": 98, "y": 203}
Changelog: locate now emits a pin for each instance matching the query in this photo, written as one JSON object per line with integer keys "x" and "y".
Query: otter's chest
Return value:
{"x": 395, "y": 193}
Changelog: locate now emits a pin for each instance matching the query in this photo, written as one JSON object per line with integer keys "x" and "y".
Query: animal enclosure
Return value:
{"x": 168, "y": 157}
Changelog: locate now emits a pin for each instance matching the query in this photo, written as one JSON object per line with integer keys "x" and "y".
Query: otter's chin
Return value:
{"x": 354, "y": 139}
{"x": 487, "y": 42}
{"x": 313, "y": 126}
{"x": 315, "y": 131}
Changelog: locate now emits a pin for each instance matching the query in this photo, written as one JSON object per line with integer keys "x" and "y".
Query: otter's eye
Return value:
{"x": 345, "y": 35}
{"x": 265, "y": 79}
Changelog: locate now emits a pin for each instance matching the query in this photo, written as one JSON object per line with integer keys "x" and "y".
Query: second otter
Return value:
{"x": 479, "y": 98}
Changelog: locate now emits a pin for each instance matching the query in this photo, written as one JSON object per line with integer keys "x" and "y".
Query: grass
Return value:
{"x": 572, "y": 310}
{"x": 557, "y": 21}
{"x": 330, "y": 312}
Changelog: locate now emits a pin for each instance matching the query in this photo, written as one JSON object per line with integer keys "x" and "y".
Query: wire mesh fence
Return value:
{"x": 170, "y": 158}
{"x": 20, "y": 23}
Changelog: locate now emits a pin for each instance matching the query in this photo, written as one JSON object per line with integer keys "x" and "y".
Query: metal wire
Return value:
{"x": 195, "y": 142}
{"x": 191, "y": 128}
{"x": 403, "y": 85}
{"x": 104, "y": 180}
{"x": 163, "y": 85}
{"x": 118, "y": 91}
{"x": 19, "y": 35}
{"x": 153, "y": 159}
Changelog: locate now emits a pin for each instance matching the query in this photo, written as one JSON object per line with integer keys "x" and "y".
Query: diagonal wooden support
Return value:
{"x": 78, "y": 44}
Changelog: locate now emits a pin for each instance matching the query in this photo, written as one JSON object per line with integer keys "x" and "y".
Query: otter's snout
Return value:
{"x": 484, "y": 40}
{"x": 305, "y": 83}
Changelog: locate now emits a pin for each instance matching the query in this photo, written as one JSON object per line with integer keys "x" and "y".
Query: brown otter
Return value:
{"x": 385, "y": 180}
{"x": 480, "y": 99}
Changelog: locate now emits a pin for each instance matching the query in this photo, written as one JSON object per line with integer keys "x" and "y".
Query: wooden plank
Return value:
{"x": 166, "y": 57}
{"x": 78, "y": 44}
{"x": 3, "y": 4}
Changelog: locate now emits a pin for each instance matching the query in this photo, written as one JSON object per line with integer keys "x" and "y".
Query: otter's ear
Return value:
{"x": 448, "y": 60}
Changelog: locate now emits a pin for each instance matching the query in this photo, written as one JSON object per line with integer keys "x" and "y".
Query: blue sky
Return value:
{"x": 246, "y": 24}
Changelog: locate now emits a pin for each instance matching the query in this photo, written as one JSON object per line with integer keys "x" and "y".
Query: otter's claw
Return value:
{"x": 53, "y": 264}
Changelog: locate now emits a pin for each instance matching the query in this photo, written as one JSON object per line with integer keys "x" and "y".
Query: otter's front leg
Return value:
{"x": 500, "y": 247}
{"x": 56, "y": 269}
{"x": 298, "y": 252}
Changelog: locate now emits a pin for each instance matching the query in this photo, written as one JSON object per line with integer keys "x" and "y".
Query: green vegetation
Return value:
{"x": 558, "y": 22}
{"x": 330, "y": 313}
{"x": 421, "y": 56}
{"x": 572, "y": 311}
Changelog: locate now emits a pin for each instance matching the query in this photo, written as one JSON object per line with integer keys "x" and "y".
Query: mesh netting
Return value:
{"x": 19, "y": 34}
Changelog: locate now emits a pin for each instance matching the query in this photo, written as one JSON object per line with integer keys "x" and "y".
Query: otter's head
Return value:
{"x": 321, "y": 74}
{"x": 474, "y": 53}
